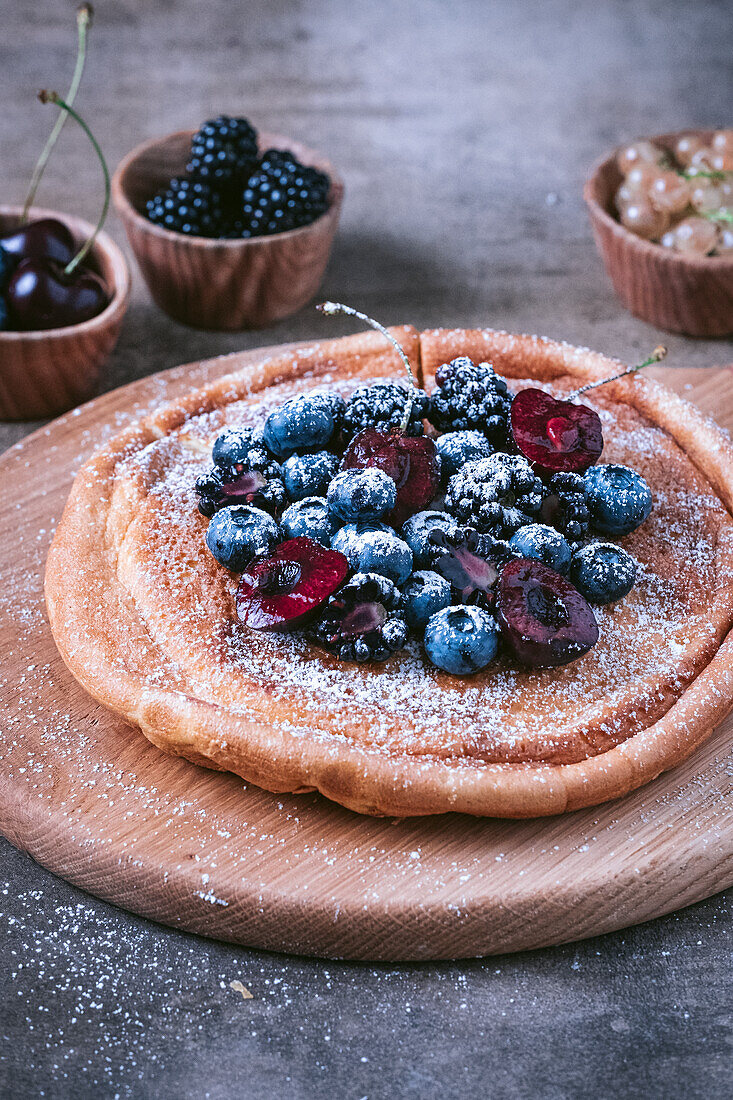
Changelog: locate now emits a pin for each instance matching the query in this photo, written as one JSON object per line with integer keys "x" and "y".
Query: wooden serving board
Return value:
{"x": 90, "y": 799}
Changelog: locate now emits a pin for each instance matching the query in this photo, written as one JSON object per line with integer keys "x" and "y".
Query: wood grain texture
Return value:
{"x": 45, "y": 373}
{"x": 89, "y": 798}
{"x": 220, "y": 284}
{"x": 680, "y": 293}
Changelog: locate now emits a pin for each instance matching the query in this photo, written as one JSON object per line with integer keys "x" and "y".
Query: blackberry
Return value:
{"x": 471, "y": 396}
{"x": 470, "y": 562}
{"x": 565, "y": 507}
{"x": 187, "y": 206}
{"x": 498, "y": 494}
{"x": 257, "y": 481}
{"x": 283, "y": 194}
{"x": 223, "y": 151}
{"x": 381, "y": 405}
{"x": 363, "y": 621}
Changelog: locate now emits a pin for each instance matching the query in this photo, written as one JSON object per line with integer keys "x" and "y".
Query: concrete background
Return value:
{"x": 464, "y": 131}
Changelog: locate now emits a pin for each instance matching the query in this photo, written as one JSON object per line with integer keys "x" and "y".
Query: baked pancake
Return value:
{"x": 145, "y": 618}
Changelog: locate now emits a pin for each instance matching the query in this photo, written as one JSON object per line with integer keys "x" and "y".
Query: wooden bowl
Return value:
{"x": 680, "y": 293}
{"x": 218, "y": 284}
{"x": 44, "y": 373}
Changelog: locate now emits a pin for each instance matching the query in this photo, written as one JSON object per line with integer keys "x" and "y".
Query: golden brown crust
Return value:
{"x": 161, "y": 647}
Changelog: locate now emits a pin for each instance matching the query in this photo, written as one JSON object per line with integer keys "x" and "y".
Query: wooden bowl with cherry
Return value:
{"x": 209, "y": 281}
{"x": 50, "y": 360}
{"x": 661, "y": 210}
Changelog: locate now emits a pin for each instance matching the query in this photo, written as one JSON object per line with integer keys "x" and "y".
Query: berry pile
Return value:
{"x": 331, "y": 513}
{"x": 231, "y": 191}
{"x": 681, "y": 196}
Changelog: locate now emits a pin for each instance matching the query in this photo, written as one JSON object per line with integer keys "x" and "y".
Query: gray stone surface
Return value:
{"x": 464, "y": 131}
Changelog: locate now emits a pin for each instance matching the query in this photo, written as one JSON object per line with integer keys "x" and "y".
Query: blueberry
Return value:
{"x": 545, "y": 544}
{"x": 416, "y": 533}
{"x": 304, "y": 423}
{"x": 237, "y": 534}
{"x": 618, "y": 498}
{"x": 235, "y": 444}
{"x": 377, "y": 552}
{"x": 603, "y": 572}
{"x": 461, "y": 639}
{"x": 425, "y": 593}
{"x": 309, "y": 475}
{"x": 309, "y": 517}
{"x": 335, "y": 402}
{"x": 346, "y": 540}
{"x": 361, "y": 494}
{"x": 458, "y": 448}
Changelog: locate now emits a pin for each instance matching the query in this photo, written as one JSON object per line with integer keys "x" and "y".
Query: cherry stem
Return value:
{"x": 54, "y": 97}
{"x": 330, "y": 308}
{"x": 656, "y": 356}
{"x": 83, "y": 22}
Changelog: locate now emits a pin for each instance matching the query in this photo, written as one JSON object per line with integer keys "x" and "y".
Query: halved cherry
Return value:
{"x": 411, "y": 461}
{"x": 564, "y": 436}
{"x": 544, "y": 619}
{"x": 281, "y": 590}
{"x": 555, "y": 435}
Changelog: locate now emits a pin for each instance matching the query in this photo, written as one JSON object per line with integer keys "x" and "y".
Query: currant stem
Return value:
{"x": 54, "y": 97}
{"x": 331, "y": 308}
{"x": 704, "y": 173}
{"x": 722, "y": 215}
{"x": 656, "y": 356}
{"x": 83, "y": 22}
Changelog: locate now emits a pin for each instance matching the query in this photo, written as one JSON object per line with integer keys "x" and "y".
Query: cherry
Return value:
{"x": 543, "y": 618}
{"x": 281, "y": 590}
{"x": 560, "y": 435}
{"x": 41, "y": 295}
{"x": 555, "y": 435}
{"x": 411, "y": 461}
{"x": 45, "y": 239}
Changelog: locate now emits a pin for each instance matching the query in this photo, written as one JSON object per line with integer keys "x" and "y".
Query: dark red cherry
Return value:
{"x": 46, "y": 238}
{"x": 411, "y": 461}
{"x": 281, "y": 590}
{"x": 41, "y": 295}
{"x": 555, "y": 435}
{"x": 544, "y": 619}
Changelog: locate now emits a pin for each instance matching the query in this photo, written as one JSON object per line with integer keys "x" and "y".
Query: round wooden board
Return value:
{"x": 92, "y": 800}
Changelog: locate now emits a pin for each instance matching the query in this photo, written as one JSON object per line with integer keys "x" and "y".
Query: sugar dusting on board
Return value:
{"x": 103, "y": 1004}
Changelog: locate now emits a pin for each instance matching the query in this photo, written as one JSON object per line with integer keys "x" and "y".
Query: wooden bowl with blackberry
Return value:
{"x": 232, "y": 229}
{"x": 662, "y": 216}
